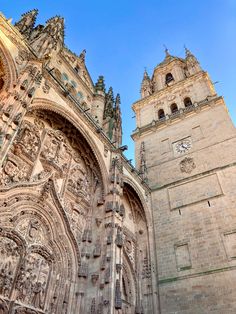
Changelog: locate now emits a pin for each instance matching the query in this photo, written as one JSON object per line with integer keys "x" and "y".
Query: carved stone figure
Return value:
{"x": 187, "y": 165}
{"x": 29, "y": 142}
{"x": 9, "y": 259}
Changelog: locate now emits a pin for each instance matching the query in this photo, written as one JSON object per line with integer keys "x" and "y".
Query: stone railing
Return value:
{"x": 180, "y": 113}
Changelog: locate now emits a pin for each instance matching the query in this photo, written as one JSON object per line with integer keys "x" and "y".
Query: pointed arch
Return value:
{"x": 48, "y": 105}
{"x": 42, "y": 229}
{"x": 129, "y": 283}
{"x": 10, "y": 74}
{"x": 140, "y": 195}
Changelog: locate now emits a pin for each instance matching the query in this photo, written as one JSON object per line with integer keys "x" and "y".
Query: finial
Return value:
{"x": 82, "y": 55}
{"x": 166, "y": 51}
{"x": 117, "y": 101}
{"x": 145, "y": 74}
{"x": 100, "y": 85}
{"x": 187, "y": 51}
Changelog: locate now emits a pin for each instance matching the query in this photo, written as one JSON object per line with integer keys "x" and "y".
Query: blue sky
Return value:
{"x": 122, "y": 37}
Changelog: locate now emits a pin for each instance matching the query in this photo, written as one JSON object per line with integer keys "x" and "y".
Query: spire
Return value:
{"x": 55, "y": 28}
{"x": 26, "y": 24}
{"x": 145, "y": 75}
{"x": 167, "y": 52}
{"x": 143, "y": 166}
{"x": 146, "y": 86}
{"x": 100, "y": 85}
{"x": 192, "y": 63}
{"x": 187, "y": 52}
{"x": 117, "y": 108}
{"x": 109, "y": 103}
{"x": 50, "y": 37}
{"x": 82, "y": 55}
{"x": 117, "y": 101}
{"x": 118, "y": 122}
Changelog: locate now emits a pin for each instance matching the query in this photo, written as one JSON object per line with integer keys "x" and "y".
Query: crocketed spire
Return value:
{"x": 26, "y": 24}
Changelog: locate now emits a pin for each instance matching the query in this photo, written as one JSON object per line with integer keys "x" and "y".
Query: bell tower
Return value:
{"x": 185, "y": 148}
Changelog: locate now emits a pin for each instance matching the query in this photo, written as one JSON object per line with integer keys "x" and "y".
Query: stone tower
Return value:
{"x": 185, "y": 146}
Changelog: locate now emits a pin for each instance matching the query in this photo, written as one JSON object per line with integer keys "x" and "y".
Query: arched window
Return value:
{"x": 73, "y": 83}
{"x": 169, "y": 78}
{"x": 187, "y": 102}
{"x": 161, "y": 114}
{"x": 77, "y": 69}
{"x": 173, "y": 108}
{"x": 80, "y": 96}
{"x": 64, "y": 77}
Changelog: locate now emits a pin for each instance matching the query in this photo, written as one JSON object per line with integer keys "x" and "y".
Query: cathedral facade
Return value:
{"x": 81, "y": 229}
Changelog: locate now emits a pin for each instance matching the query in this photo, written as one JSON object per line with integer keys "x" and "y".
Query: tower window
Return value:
{"x": 77, "y": 69}
{"x": 161, "y": 114}
{"x": 187, "y": 102}
{"x": 173, "y": 108}
{"x": 169, "y": 78}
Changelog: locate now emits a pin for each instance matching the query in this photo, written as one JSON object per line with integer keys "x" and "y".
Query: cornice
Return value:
{"x": 179, "y": 115}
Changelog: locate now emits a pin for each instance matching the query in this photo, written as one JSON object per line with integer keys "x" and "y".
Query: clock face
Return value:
{"x": 183, "y": 146}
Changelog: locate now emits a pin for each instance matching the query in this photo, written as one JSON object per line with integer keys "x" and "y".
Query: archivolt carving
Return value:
{"x": 8, "y": 67}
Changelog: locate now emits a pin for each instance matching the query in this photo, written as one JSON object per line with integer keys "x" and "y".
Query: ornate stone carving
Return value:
{"x": 83, "y": 270}
{"x": 46, "y": 87}
{"x": 24, "y": 310}
{"x": 28, "y": 142}
{"x": 97, "y": 249}
{"x": 9, "y": 259}
{"x": 31, "y": 229}
{"x": 23, "y": 56}
{"x": 103, "y": 262}
{"x": 13, "y": 172}
{"x": 118, "y": 300}
{"x": 78, "y": 182}
{"x": 94, "y": 278}
{"x": 107, "y": 274}
{"x": 93, "y": 306}
{"x": 187, "y": 165}
{"x": 119, "y": 238}
{"x": 32, "y": 280}
{"x": 3, "y": 307}
{"x": 146, "y": 271}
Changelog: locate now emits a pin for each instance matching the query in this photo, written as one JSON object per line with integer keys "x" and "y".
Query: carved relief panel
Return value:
{"x": 28, "y": 141}
{"x": 9, "y": 260}
{"x": 32, "y": 280}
